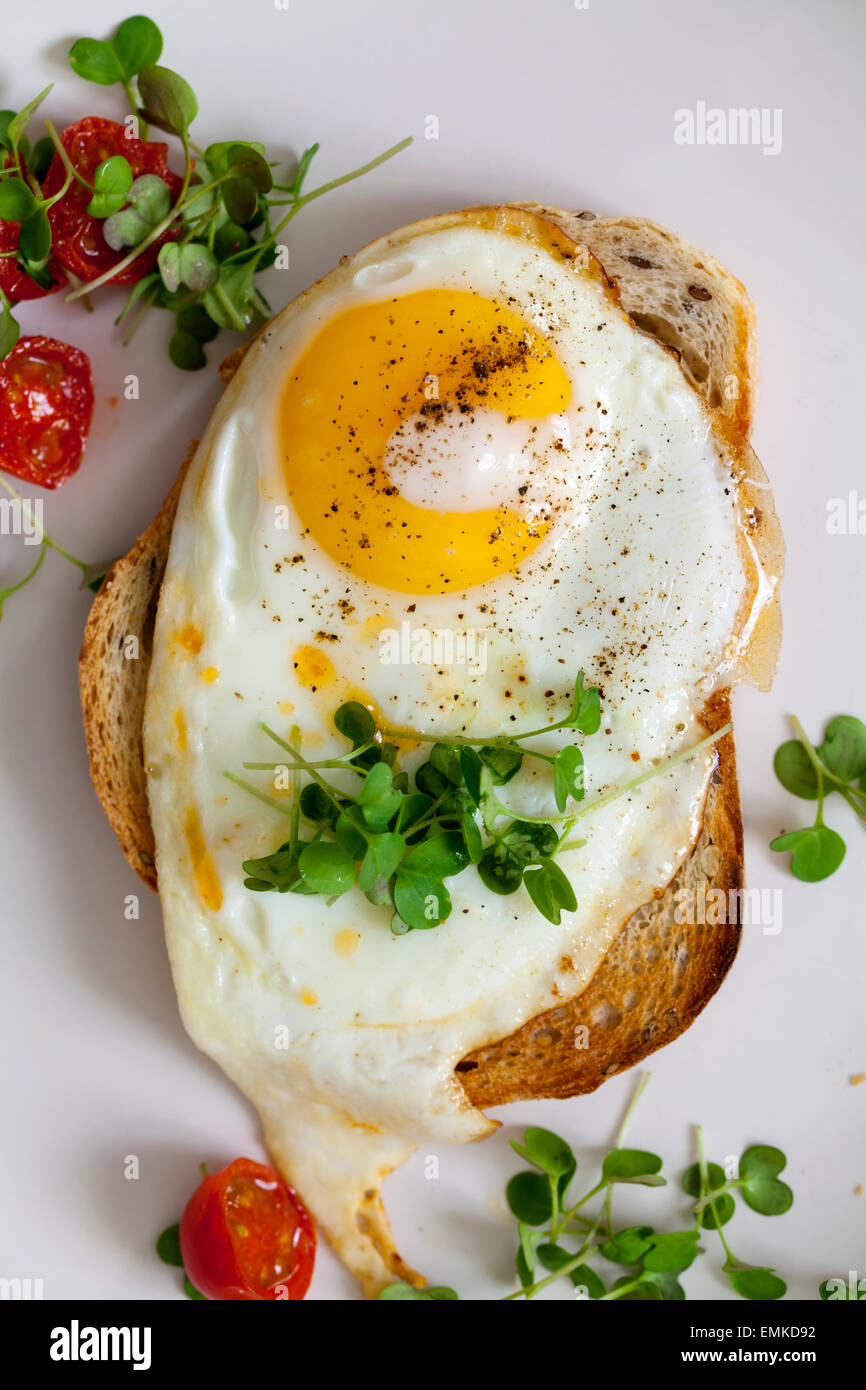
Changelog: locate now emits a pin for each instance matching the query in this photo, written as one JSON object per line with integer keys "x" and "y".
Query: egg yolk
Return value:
{"x": 368, "y": 370}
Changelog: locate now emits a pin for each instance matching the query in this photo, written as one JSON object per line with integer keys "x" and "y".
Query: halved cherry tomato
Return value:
{"x": 78, "y": 240}
{"x": 245, "y": 1234}
{"x": 15, "y": 283}
{"x": 46, "y": 404}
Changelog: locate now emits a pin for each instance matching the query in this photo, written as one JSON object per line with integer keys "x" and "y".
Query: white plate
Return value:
{"x": 575, "y": 106}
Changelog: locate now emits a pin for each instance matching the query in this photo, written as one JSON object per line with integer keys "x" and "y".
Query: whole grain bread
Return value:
{"x": 660, "y": 971}
{"x": 682, "y": 297}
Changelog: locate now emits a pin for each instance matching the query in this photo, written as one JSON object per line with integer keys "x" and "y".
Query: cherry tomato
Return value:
{"x": 246, "y": 1235}
{"x": 78, "y": 240}
{"x": 15, "y": 283}
{"x": 46, "y": 403}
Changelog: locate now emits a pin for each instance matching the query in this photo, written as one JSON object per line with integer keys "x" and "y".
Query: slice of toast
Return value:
{"x": 660, "y": 972}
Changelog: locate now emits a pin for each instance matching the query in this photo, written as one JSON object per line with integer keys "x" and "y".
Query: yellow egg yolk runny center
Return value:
{"x": 362, "y": 376}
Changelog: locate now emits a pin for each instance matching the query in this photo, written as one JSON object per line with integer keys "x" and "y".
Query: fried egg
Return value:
{"x": 443, "y": 480}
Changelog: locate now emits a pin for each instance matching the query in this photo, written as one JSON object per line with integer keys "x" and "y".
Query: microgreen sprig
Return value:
{"x": 559, "y": 1239}
{"x": 838, "y": 765}
{"x": 220, "y": 224}
{"x": 758, "y": 1183}
{"x": 92, "y": 575}
{"x": 400, "y": 838}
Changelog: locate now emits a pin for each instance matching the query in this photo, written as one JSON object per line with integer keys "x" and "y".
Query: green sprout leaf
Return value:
{"x": 671, "y": 1252}
{"x": 628, "y": 1246}
{"x": 186, "y": 351}
{"x": 378, "y": 799}
{"x": 550, "y": 890}
{"x": 759, "y": 1168}
{"x": 547, "y": 1151}
{"x": 667, "y": 1284}
{"x": 6, "y": 119}
{"x": 327, "y": 868}
{"x": 112, "y": 182}
{"x": 17, "y": 201}
{"x": 382, "y": 855}
{"x": 150, "y": 196}
{"x": 317, "y": 805}
{"x": 168, "y": 261}
{"x": 193, "y": 265}
{"x": 199, "y": 268}
{"x": 250, "y": 176}
{"x": 446, "y": 760}
{"x": 420, "y": 895}
{"x": 123, "y": 230}
{"x": 816, "y": 852}
{"x": 502, "y": 763}
{"x": 169, "y": 101}
{"x": 40, "y": 157}
{"x": 583, "y": 1277}
{"x": 193, "y": 328}
{"x": 137, "y": 43}
{"x": 630, "y": 1165}
{"x": 646, "y": 1291}
{"x": 234, "y": 301}
{"x": 795, "y": 770}
{"x": 278, "y": 871}
{"x": 524, "y": 843}
{"x": 168, "y": 1246}
{"x": 430, "y": 781}
{"x": 759, "y": 1285}
{"x": 843, "y": 751}
{"x": 724, "y": 1204}
{"x": 302, "y": 170}
{"x": 10, "y": 329}
{"x": 471, "y": 833}
{"x": 148, "y": 202}
{"x": 472, "y": 767}
{"x": 567, "y": 776}
{"x": 529, "y": 1198}
{"x": 34, "y": 241}
{"x": 585, "y": 712}
{"x": 16, "y": 127}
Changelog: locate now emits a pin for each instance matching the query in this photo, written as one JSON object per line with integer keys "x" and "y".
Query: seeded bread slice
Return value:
{"x": 682, "y": 297}
{"x": 660, "y": 972}
{"x": 113, "y": 679}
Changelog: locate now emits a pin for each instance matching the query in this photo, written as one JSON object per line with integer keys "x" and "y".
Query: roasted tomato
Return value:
{"x": 15, "y": 283}
{"x": 46, "y": 404}
{"x": 246, "y": 1235}
{"x": 79, "y": 243}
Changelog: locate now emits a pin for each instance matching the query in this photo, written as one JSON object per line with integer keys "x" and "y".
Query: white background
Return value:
{"x": 534, "y": 100}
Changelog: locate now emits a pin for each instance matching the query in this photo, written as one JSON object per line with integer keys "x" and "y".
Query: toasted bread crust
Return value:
{"x": 658, "y": 974}
{"x": 113, "y": 683}
{"x": 653, "y": 982}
